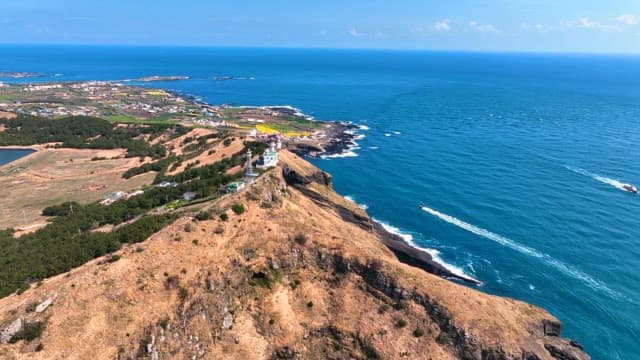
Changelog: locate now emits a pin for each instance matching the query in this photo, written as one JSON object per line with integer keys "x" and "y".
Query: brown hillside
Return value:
{"x": 296, "y": 276}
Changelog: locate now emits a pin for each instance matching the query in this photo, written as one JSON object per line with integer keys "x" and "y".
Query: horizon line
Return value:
{"x": 278, "y": 47}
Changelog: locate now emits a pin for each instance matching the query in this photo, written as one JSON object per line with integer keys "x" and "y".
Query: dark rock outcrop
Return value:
{"x": 295, "y": 178}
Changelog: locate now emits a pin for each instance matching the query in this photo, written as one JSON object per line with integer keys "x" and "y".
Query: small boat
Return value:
{"x": 630, "y": 188}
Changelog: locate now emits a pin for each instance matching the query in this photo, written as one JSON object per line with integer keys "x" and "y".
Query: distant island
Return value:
{"x": 18, "y": 75}
{"x": 227, "y": 78}
{"x": 162, "y": 78}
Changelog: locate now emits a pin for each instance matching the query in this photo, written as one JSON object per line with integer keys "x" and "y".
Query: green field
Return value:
{"x": 121, "y": 118}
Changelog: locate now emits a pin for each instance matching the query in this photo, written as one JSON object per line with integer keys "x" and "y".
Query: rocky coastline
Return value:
{"x": 339, "y": 139}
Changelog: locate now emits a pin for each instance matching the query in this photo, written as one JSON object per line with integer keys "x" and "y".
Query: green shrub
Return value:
{"x": 418, "y": 332}
{"x": 31, "y": 307}
{"x": 183, "y": 294}
{"x": 310, "y": 304}
{"x": 294, "y": 284}
{"x": 266, "y": 279}
{"x": 203, "y": 215}
{"x": 171, "y": 282}
{"x": 400, "y": 323}
{"x": 24, "y": 287}
{"x": 188, "y": 227}
{"x": 224, "y": 217}
{"x": 383, "y": 308}
{"x": 400, "y": 305}
{"x": 238, "y": 209}
{"x": 442, "y": 338}
{"x": 29, "y": 331}
{"x": 164, "y": 323}
{"x": 300, "y": 239}
{"x": 114, "y": 258}
{"x": 266, "y": 205}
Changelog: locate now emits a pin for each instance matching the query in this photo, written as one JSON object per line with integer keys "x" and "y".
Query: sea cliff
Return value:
{"x": 295, "y": 272}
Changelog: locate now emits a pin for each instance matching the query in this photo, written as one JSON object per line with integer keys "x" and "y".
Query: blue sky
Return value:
{"x": 475, "y": 25}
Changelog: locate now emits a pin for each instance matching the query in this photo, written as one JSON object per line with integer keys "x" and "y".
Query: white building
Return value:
{"x": 269, "y": 158}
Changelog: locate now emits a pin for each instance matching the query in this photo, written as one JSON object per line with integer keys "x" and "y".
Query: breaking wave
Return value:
{"x": 344, "y": 154}
{"x": 361, "y": 206}
{"x": 523, "y": 249}
{"x": 435, "y": 254}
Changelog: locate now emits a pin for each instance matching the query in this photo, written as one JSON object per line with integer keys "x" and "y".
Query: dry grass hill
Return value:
{"x": 300, "y": 274}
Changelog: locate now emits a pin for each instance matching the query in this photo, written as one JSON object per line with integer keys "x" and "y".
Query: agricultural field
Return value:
{"x": 52, "y": 176}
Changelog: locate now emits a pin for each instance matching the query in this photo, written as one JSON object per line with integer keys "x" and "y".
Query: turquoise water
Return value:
{"x": 515, "y": 156}
{"x": 9, "y": 155}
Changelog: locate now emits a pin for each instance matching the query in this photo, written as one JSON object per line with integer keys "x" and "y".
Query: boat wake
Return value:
{"x": 523, "y": 249}
{"x": 605, "y": 180}
{"x": 435, "y": 254}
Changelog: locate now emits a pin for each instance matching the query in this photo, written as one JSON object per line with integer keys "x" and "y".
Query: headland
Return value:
{"x": 185, "y": 257}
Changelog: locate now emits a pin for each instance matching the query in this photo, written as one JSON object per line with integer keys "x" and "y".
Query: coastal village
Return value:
{"x": 122, "y": 102}
{"x": 136, "y": 105}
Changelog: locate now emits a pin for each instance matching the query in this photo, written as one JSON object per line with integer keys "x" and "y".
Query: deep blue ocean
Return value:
{"x": 518, "y": 158}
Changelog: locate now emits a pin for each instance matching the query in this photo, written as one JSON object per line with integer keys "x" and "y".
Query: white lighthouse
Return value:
{"x": 249, "y": 174}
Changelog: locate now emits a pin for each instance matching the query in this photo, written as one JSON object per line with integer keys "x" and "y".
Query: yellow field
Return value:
{"x": 155, "y": 93}
{"x": 291, "y": 134}
{"x": 266, "y": 129}
{"x": 270, "y": 130}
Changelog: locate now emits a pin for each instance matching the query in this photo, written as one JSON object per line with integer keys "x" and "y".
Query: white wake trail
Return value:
{"x": 605, "y": 180}
{"x": 523, "y": 249}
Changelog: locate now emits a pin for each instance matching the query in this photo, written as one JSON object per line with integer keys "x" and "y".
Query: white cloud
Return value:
{"x": 484, "y": 28}
{"x": 354, "y": 32}
{"x": 442, "y": 26}
{"x": 628, "y": 19}
{"x": 586, "y": 23}
{"x": 536, "y": 27}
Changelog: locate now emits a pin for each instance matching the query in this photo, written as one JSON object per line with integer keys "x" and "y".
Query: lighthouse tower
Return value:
{"x": 249, "y": 174}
